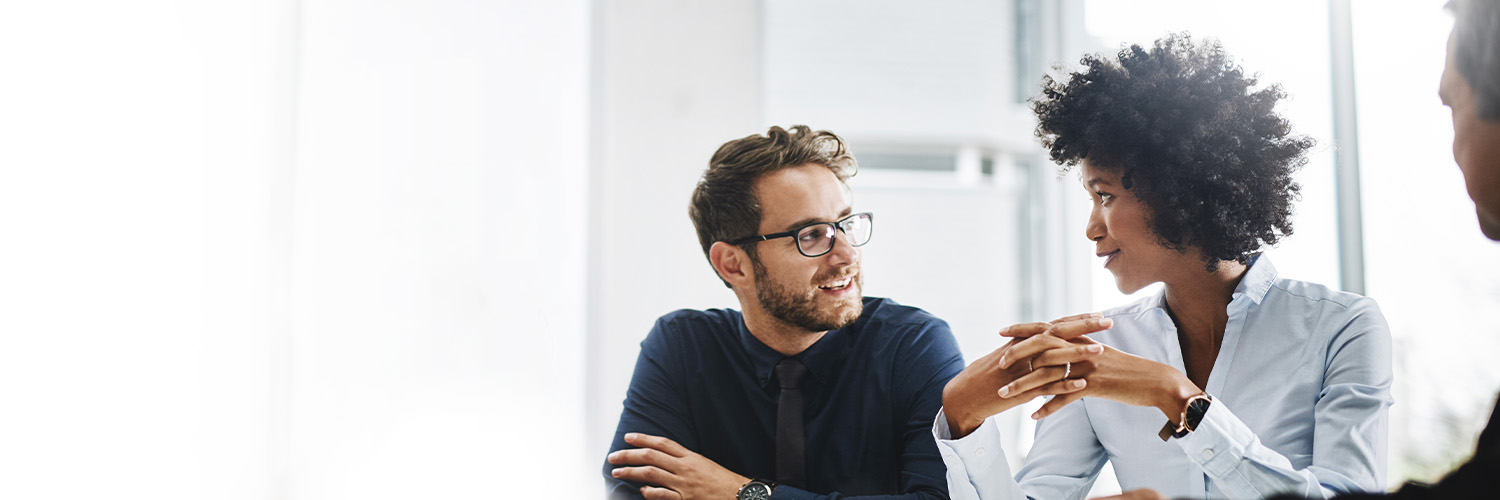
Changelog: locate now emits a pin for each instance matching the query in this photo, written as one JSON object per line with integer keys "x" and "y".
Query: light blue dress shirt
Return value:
{"x": 1301, "y": 393}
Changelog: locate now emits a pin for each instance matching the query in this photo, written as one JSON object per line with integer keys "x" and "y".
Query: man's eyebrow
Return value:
{"x": 1094, "y": 182}
{"x": 811, "y": 220}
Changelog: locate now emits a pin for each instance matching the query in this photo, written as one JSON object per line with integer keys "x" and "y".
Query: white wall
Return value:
{"x": 674, "y": 80}
{"x": 293, "y": 249}
{"x": 439, "y": 250}
{"x": 941, "y": 73}
{"x": 124, "y": 305}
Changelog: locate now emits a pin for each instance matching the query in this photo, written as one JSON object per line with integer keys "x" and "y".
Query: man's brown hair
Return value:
{"x": 724, "y": 205}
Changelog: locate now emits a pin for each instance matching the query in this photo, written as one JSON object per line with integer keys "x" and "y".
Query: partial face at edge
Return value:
{"x": 815, "y": 293}
{"x": 1476, "y": 146}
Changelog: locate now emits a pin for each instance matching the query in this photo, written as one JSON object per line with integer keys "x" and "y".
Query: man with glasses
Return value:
{"x": 810, "y": 391}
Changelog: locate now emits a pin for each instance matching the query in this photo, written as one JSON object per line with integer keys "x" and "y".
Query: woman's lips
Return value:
{"x": 1109, "y": 257}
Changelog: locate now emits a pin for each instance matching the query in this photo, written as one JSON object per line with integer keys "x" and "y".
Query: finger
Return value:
{"x": 642, "y": 456}
{"x": 1033, "y": 380}
{"x": 1028, "y": 348}
{"x": 999, "y": 352}
{"x": 1072, "y": 329}
{"x": 1024, "y": 329}
{"x": 647, "y": 474}
{"x": 1061, "y": 400}
{"x": 1055, "y": 388}
{"x": 1082, "y": 340}
{"x": 1064, "y": 355}
{"x": 654, "y": 493}
{"x": 1077, "y": 317}
{"x": 667, "y": 446}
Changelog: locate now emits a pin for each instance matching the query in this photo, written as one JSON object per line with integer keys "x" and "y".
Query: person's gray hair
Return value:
{"x": 1476, "y": 38}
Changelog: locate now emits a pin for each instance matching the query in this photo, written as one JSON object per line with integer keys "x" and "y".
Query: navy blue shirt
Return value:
{"x": 870, "y": 396}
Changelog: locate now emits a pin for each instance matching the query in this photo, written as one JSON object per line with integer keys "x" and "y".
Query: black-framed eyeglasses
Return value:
{"x": 816, "y": 239}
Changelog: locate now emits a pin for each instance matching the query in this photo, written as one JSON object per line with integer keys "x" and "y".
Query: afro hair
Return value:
{"x": 1192, "y": 138}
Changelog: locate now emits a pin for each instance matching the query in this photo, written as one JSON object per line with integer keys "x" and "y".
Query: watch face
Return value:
{"x": 1194, "y": 413}
{"x": 756, "y": 490}
{"x": 1196, "y": 410}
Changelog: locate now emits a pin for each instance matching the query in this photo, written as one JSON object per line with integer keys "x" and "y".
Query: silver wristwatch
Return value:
{"x": 756, "y": 489}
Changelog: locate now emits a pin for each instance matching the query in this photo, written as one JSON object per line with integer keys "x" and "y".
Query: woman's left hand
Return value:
{"x": 1113, "y": 375}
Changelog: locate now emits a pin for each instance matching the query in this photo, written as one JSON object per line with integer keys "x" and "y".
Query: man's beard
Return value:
{"x": 785, "y": 304}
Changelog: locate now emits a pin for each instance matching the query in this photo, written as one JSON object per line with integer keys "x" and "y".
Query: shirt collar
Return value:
{"x": 1257, "y": 280}
{"x": 1254, "y": 285}
{"x": 762, "y": 357}
{"x": 821, "y": 358}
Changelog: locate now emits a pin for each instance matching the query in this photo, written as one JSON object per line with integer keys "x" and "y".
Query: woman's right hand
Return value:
{"x": 975, "y": 394}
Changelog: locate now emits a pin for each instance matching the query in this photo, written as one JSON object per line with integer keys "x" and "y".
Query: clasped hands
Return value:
{"x": 1056, "y": 359}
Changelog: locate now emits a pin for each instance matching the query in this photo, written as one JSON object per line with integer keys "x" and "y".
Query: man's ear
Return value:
{"x": 732, "y": 264}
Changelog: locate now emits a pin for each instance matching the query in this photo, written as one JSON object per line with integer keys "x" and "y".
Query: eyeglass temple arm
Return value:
{"x": 763, "y": 237}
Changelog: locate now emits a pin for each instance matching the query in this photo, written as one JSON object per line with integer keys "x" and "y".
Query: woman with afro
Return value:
{"x": 1231, "y": 382}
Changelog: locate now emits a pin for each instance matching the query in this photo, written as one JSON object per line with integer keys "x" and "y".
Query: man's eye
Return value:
{"x": 815, "y": 233}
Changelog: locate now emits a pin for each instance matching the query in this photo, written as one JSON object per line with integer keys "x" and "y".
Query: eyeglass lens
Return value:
{"x": 817, "y": 239}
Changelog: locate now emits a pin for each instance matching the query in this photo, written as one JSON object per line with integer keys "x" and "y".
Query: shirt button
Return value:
{"x": 1208, "y": 453}
{"x": 979, "y": 452}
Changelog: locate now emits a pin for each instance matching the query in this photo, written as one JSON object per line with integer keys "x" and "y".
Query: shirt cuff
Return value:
{"x": 1219, "y": 442}
{"x": 978, "y": 452}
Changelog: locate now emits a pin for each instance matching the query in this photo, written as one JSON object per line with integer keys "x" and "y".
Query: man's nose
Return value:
{"x": 843, "y": 251}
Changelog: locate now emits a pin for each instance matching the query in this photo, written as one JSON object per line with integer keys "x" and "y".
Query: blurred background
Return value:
{"x": 327, "y": 249}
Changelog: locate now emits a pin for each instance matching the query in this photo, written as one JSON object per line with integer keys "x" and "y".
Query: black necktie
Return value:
{"x": 791, "y": 452}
